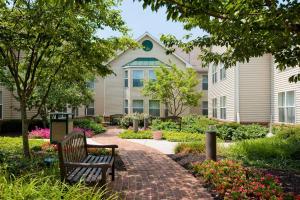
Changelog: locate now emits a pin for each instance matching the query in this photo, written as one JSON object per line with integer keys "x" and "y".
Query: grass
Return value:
{"x": 183, "y": 136}
{"x": 130, "y": 134}
{"x": 274, "y": 152}
{"x": 21, "y": 178}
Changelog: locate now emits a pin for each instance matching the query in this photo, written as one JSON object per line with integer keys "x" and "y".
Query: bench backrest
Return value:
{"x": 71, "y": 149}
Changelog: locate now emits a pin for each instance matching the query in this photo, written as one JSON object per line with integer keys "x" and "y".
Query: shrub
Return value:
{"x": 127, "y": 120}
{"x": 158, "y": 124}
{"x": 40, "y": 133}
{"x": 129, "y": 134}
{"x": 89, "y": 124}
{"x": 232, "y": 181}
{"x": 275, "y": 152}
{"x": 190, "y": 147}
{"x": 225, "y": 131}
{"x": 182, "y": 136}
{"x": 196, "y": 124}
{"x": 249, "y": 132}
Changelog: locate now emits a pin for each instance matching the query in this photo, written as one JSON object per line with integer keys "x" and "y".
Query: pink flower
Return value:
{"x": 43, "y": 133}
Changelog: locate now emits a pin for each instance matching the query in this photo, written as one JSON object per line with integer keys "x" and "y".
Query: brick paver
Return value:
{"x": 151, "y": 174}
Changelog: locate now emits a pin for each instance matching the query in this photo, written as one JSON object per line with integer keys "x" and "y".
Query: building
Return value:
{"x": 253, "y": 92}
{"x": 120, "y": 93}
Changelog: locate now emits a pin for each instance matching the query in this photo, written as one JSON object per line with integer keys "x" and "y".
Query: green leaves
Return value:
{"x": 249, "y": 28}
{"x": 174, "y": 87}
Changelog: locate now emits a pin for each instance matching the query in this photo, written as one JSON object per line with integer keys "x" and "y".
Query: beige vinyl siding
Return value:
{"x": 281, "y": 84}
{"x": 255, "y": 90}
{"x": 115, "y": 92}
{"x": 222, "y": 88}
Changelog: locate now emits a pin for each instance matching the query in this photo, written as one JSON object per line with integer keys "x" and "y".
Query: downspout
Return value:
{"x": 237, "y": 92}
{"x": 104, "y": 96}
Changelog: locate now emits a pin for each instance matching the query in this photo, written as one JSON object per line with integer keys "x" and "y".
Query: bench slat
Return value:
{"x": 75, "y": 174}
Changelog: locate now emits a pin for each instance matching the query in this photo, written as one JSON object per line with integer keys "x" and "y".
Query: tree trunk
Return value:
{"x": 25, "y": 125}
{"x": 44, "y": 117}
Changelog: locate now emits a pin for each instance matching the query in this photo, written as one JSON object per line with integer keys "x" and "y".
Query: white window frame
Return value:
{"x": 223, "y": 109}
{"x": 204, "y": 83}
{"x": 285, "y": 107}
{"x": 75, "y": 111}
{"x": 138, "y": 79}
{"x": 222, "y": 72}
{"x": 137, "y": 107}
{"x": 126, "y": 78}
{"x": 205, "y": 108}
{"x": 214, "y": 73}
{"x": 215, "y": 108}
{"x": 90, "y": 107}
{"x": 157, "y": 109}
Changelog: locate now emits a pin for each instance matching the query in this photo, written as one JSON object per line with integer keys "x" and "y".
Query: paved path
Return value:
{"x": 151, "y": 174}
{"x": 162, "y": 146}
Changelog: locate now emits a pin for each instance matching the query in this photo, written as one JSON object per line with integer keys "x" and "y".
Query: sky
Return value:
{"x": 140, "y": 21}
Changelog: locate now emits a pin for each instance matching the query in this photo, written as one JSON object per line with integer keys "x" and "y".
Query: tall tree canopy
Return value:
{"x": 42, "y": 42}
{"x": 176, "y": 88}
{"x": 247, "y": 28}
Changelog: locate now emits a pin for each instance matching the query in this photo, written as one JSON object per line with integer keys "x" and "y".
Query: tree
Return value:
{"x": 42, "y": 40}
{"x": 176, "y": 88}
{"x": 247, "y": 28}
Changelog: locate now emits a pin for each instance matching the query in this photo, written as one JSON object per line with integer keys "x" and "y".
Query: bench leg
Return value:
{"x": 113, "y": 171}
{"x": 104, "y": 177}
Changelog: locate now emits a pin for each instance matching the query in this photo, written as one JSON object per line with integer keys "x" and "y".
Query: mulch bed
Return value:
{"x": 290, "y": 180}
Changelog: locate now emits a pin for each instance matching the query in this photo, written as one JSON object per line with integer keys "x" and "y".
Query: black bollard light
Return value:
{"x": 211, "y": 145}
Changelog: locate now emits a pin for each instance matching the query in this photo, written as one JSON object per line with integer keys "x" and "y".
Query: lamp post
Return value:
{"x": 211, "y": 144}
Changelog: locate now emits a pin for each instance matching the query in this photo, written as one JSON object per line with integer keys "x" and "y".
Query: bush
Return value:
{"x": 196, "y": 124}
{"x": 249, "y": 132}
{"x": 40, "y": 133}
{"x": 127, "y": 120}
{"x": 275, "y": 152}
{"x": 158, "y": 124}
{"x": 225, "y": 131}
{"x": 129, "y": 134}
{"x": 89, "y": 124}
{"x": 190, "y": 147}
{"x": 182, "y": 136}
{"x": 232, "y": 181}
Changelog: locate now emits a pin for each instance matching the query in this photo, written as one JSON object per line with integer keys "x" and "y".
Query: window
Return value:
{"x": 152, "y": 76}
{"x": 138, "y": 78}
{"x": 126, "y": 79}
{"x": 222, "y": 72}
{"x": 1, "y": 105}
{"x": 126, "y": 106}
{"x": 214, "y": 74}
{"x": 223, "y": 107}
{"x": 205, "y": 108}
{"x": 75, "y": 111}
{"x": 137, "y": 106}
{"x": 90, "y": 109}
{"x": 91, "y": 84}
{"x": 286, "y": 107}
{"x": 215, "y": 108}
{"x": 204, "y": 82}
{"x": 154, "y": 108}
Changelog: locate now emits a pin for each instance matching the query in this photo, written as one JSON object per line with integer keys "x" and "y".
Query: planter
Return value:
{"x": 157, "y": 135}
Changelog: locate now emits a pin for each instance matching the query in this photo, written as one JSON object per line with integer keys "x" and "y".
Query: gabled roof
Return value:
{"x": 145, "y": 62}
{"x": 157, "y": 41}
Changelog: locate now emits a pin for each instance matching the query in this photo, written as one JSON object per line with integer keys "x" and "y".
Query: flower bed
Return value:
{"x": 233, "y": 181}
{"x": 44, "y": 133}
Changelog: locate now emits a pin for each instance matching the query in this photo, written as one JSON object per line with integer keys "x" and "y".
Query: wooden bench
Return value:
{"x": 76, "y": 164}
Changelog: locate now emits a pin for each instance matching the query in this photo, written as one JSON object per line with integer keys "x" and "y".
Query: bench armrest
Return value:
{"x": 102, "y": 146}
{"x": 91, "y": 165}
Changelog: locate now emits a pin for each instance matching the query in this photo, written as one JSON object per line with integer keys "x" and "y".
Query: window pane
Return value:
{"x": 205, "y": 112}
{"x": 126, "y": 82}
{"x": 126, "y": 74}
{"x": 290, "y": 115}
{"x": 91, "y": 84}
{"x": 281, "y": 99}
{"x": 138, "y": 74}
{"x": 152, "y": 75}
{"x": 154, "y": 108}
{"x": 137, "y": 106}
{"x": 281, "y": 115}
{"x": 204, "y": 82}
{"x": 0, "y": 111}
{"x": 1, "y": 97}
{"x": 290, "y": 98}
{"x": 204, "y": 104}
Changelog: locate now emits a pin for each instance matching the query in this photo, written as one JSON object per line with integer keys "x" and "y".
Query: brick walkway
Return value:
{"x": 150, "y": 174}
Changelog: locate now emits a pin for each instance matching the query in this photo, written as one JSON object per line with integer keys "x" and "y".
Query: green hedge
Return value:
{"x": 130, "y": 134}
{"x": 190, "y": 147}
{"x": 89, "y": 124}
{"x": 182, "y": 136}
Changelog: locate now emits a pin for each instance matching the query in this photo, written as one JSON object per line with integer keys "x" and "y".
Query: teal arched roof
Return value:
{"x": 145, "y": 62}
